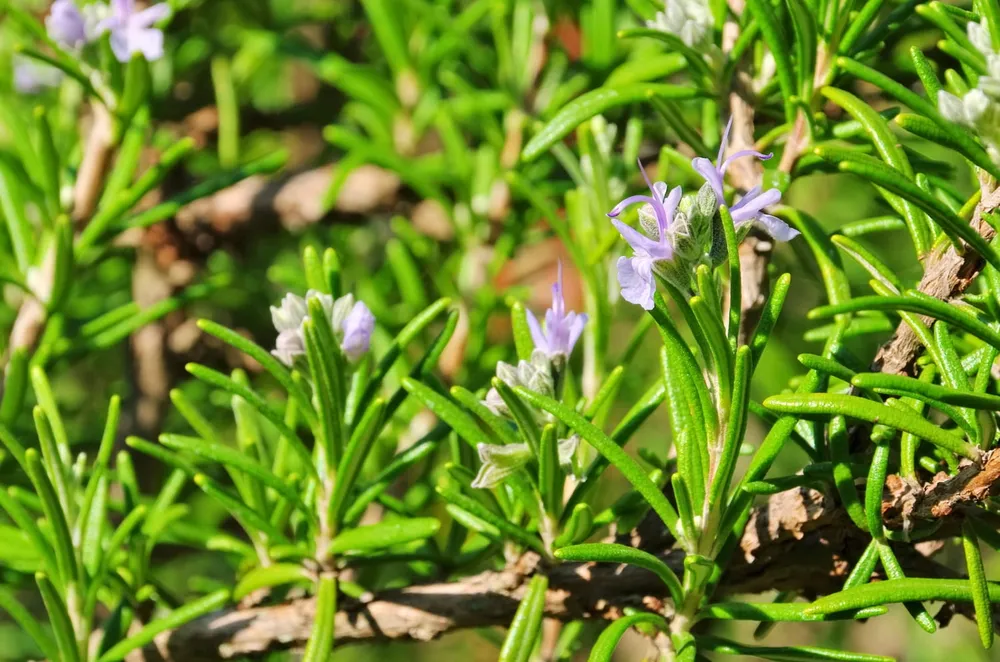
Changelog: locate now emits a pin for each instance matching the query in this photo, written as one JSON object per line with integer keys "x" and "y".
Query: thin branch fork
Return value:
{"x": 799, "y": 540}
{"x": 947, "y": 274}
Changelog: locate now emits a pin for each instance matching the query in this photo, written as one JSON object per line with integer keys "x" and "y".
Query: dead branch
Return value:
{"x": 947, "y": 273}
{"x": 296, "y": 201}
{"x": 96, "y": 154}
{"x": 800, "y": 540}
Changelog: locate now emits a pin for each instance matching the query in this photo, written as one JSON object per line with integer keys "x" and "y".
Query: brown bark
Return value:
{"x": 295, "y": 201}
{"x": 96, "y": 154}
{"x": 800, "y": 540}
{"x": 947, "y": 274}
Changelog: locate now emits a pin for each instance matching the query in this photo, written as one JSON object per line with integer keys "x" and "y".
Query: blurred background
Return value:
{"x": 398, "y": 161}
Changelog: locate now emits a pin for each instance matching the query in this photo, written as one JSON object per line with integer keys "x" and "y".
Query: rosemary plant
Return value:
{"x": 407, "y": 445}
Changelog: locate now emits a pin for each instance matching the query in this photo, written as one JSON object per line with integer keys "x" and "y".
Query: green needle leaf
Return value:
{"x": 321, "y": 640}
{"x": 219, "y": 380}
{"x": 604, "y": 648}
{"x": 914, "y": 302}
{"x": 785, "y": 653}
{"x": 384, "y": 534}
{"x": 177, "y": 618}
{"x": 594, "y": 103}
{"x": 527, "y": 624}
{"x": 895, "y": 591}
{"x": 777, "y": 42}
{"x": 62, "y": 626}
{"x": 355, "y": 454}
{"x": 834, "y": 404}
{"x": 882, "y": 175}
{"x": 502, "y": 526}
{"x": 612, "y": 452}
{"x": 780, "y": 612}
{"x": 880, "y": 382}
{"x": 463, "y": 424}
{"x": 270, "y": 576}
{"x": 977, "y": 580}
{"x": 614, "y": 553}
{"x": 63, "y": 544}
{"x": 273, "y": 366}
{"x": 231, "y": 457}
{"x": 24, "y": 620}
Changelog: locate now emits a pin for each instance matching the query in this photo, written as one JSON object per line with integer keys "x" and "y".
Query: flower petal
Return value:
{"x": 149, "y": 42}
{"x": 707, "y": 169}
{"x": 752, "y": 203}
{"x": 123, "y": 8}
{"x": 120, "y": 45}
{"x": 289, "y": 345}
{"x": 537, "y": 335}
{"x": 150, "y": 16}
{"x": 672, "y": 200}
{"x": 358, "y": 328}
{"x": 725, "y": 140}
{"x": 635, "y": 276}
{"x": 65, "y": 24}
{"x": 631, "y": 200}
{"x": 558, "y": 301}
{"x": 950, "y": 107}
{"x": 777, "y": 228}
{"x": 635, "y": 239}
{"x": 576, "y": 322}
{"x": 740, "y": 154}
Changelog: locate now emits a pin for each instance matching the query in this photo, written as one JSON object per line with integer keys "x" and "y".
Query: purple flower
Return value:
{"x": 31, "y": 77}
{"x": 713, "y": 174}
{"x": 562, "y": 329}
{"x": 352, "y": 323}
{"x": 749, "y": 208}
{"x": 133, "y": 32}
{"x": 358, "y": 327}
{"x": 635, "y": 274}
{"x": 66, "y": 24}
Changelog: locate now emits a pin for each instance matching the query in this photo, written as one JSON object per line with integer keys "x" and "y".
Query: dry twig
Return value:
{"x": 800, "y": 540}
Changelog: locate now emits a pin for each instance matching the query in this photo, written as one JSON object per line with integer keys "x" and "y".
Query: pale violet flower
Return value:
{"x": 133, "y": 32}
{"x": 65, "y": 24}
{"x": 352, "y": 323}
{"x": 562, "y": 329}
{"x": 750, "y": 208}
{"x": 689, "y": 20}
{"x": 635, "y": 274}
{"x": 358, "y": 326}
{"x": 31, "y": 77}
{"x": 715, "y": 173}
